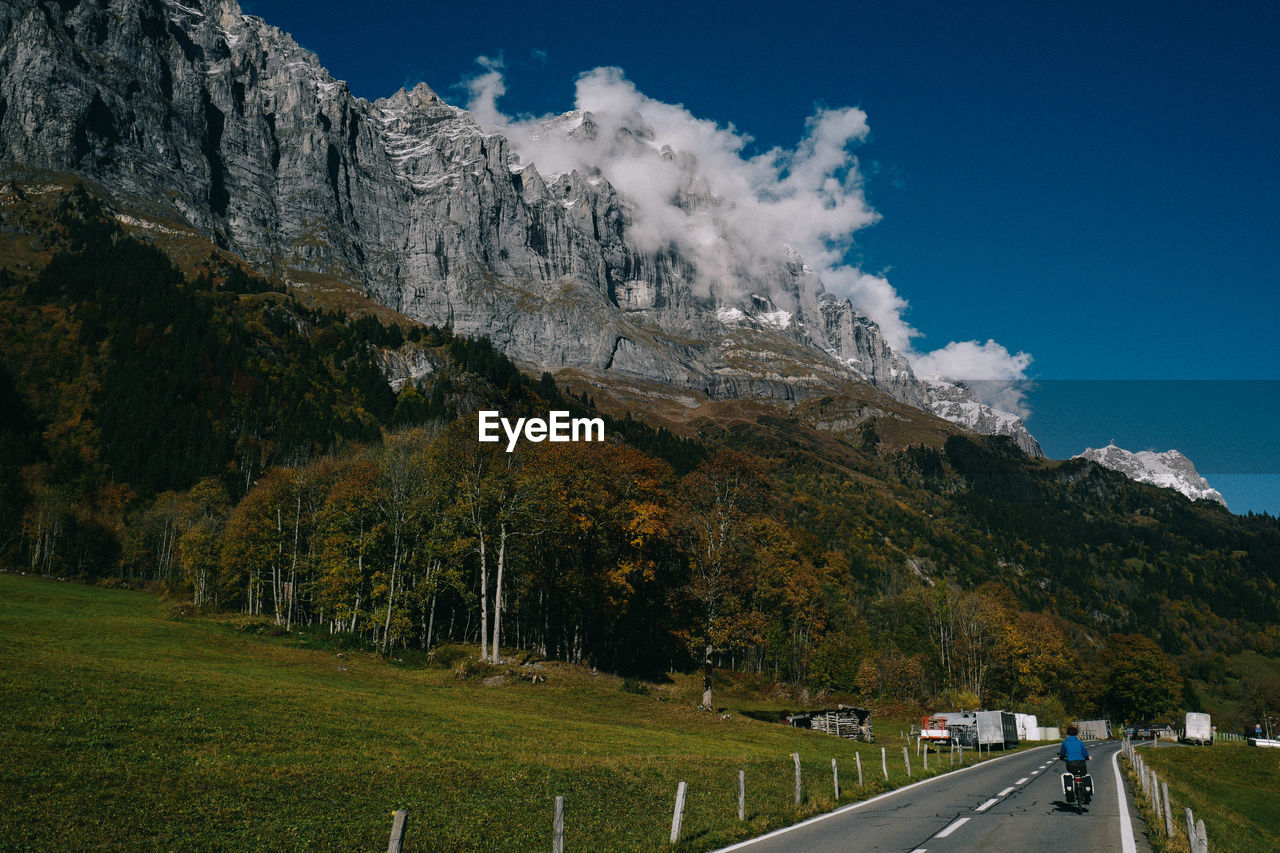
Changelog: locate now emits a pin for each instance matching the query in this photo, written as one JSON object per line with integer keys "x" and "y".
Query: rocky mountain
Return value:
{"x": 1170, "y": 470}
{"x": 954, "y": 402}
{"x": 195, "y": 116}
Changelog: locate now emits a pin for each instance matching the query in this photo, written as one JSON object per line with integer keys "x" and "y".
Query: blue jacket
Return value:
{"x": 1073, "y": 749}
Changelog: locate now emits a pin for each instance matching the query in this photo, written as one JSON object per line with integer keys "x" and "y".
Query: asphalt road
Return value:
{"x": 1012, "y": 803}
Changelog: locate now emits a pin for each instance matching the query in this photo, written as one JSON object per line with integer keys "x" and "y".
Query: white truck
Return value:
{"x": 1197, "y": 729}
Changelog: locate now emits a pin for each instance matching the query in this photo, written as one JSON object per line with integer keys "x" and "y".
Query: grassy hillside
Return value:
{"x": 167, "y": 417}
{"x": 1230, "y": 786}
{"x": 136, "y": 728}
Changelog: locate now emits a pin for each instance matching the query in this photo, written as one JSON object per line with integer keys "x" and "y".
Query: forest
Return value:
{"x": 207, "y": 434}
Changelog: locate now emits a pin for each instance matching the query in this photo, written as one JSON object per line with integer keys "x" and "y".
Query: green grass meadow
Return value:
{"x": 1232, "y": 787}
{"x": 125, "y": 726}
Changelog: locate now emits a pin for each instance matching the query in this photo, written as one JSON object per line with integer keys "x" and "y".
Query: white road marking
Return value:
{"x": 988, "y": 804}
{"x": 1127, "y": 844}
{"x": 1022, "y": 781}
{"x": 1034, "y": 772}
{"x": 1005, "y": 792}
{"x": 742, "y": 845}
{"x": 919, "y": 850}
{"x": 952, "y": 828}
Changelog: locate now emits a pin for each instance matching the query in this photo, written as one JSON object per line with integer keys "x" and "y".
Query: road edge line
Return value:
{"x": 1127, "y": 843}
{"x": 740, "y": 845}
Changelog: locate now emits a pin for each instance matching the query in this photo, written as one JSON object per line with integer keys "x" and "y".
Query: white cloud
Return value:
{"x": 970, "y": 360}
{"x": 691, "y": 184}
{"x": 484, "y": 90}
{"x": 996, "y": 376}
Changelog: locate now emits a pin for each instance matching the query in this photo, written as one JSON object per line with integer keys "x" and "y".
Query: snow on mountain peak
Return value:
{"x": 1170, "y": 470}
{"x": 955, "y": 402}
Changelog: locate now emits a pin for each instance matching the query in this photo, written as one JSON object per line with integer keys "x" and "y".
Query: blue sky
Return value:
{"x": 1095, "y": 184}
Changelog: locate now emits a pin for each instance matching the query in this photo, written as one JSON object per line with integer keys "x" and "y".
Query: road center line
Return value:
{"x": 1022, "y": 781}
{"x": 742, "y": 845}
{"x": 988, "y": 804}
{"x": 1005, "y": 792}
{"x": 952, "y": 827}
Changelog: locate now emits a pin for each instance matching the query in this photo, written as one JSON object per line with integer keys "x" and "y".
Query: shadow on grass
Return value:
{"x": 764, "y": 716}
{"x": 694, "y": 836}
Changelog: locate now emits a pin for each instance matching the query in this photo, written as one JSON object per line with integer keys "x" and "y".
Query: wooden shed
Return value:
{"x": 842, "y": 721}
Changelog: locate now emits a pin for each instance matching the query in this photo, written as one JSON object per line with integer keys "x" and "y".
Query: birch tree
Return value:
{"x": 979, "y": 628}
{"x": 499, "y": 498}
{"x": 258, "y": 542}
{"x": 348, "y": 530}
{"x": 409, "y": 505}
{"x": 720, "y": 497}
{"x": 470, "y": 466}
{"x": 199, "y": 547}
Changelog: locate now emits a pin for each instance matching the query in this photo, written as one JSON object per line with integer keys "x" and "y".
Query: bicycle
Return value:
{"x": 1077, "y": 785}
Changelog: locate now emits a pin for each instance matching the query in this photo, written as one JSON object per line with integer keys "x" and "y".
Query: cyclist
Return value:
{"x": 1076, "y": 754}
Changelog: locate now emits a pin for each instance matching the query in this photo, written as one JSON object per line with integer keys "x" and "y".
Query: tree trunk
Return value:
{"x": 276, "y": 580}
{"x": 497, "y": 594}
{"x": 484, "y": 604}
{"x": 706, "y": 677}
{"x": 391, "y": 595}
{"x": 293, "y": 567}
{"x": 164, "y": 557}
{"x": 431, "y": 624}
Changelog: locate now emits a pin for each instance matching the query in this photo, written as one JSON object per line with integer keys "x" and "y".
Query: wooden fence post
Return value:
{"x": 1155, "y": 795}
{"x": 857, "y": 756}
{"x": 795, "y": 756}
{"x": 1202, "y": 837}
{"x": 1191, "y": 827}
{"x": 926, "y": 758}
{"x": 1168, "y": 812}
{"x": 835, "y": 779}
{"x": 678, "y": 817}
{"x": 906, "y": 759}
{"x": 884, "y": 766}
{"x": 557, "y": 828}
{"x": 397, "y": 831}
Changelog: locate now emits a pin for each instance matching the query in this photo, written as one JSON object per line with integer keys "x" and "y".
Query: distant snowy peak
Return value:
{"x": 1170, "y": 469}
{"x": 954, "y": 402}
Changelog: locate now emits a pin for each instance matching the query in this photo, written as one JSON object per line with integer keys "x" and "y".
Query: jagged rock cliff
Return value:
{"x": 198, "y": 115}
